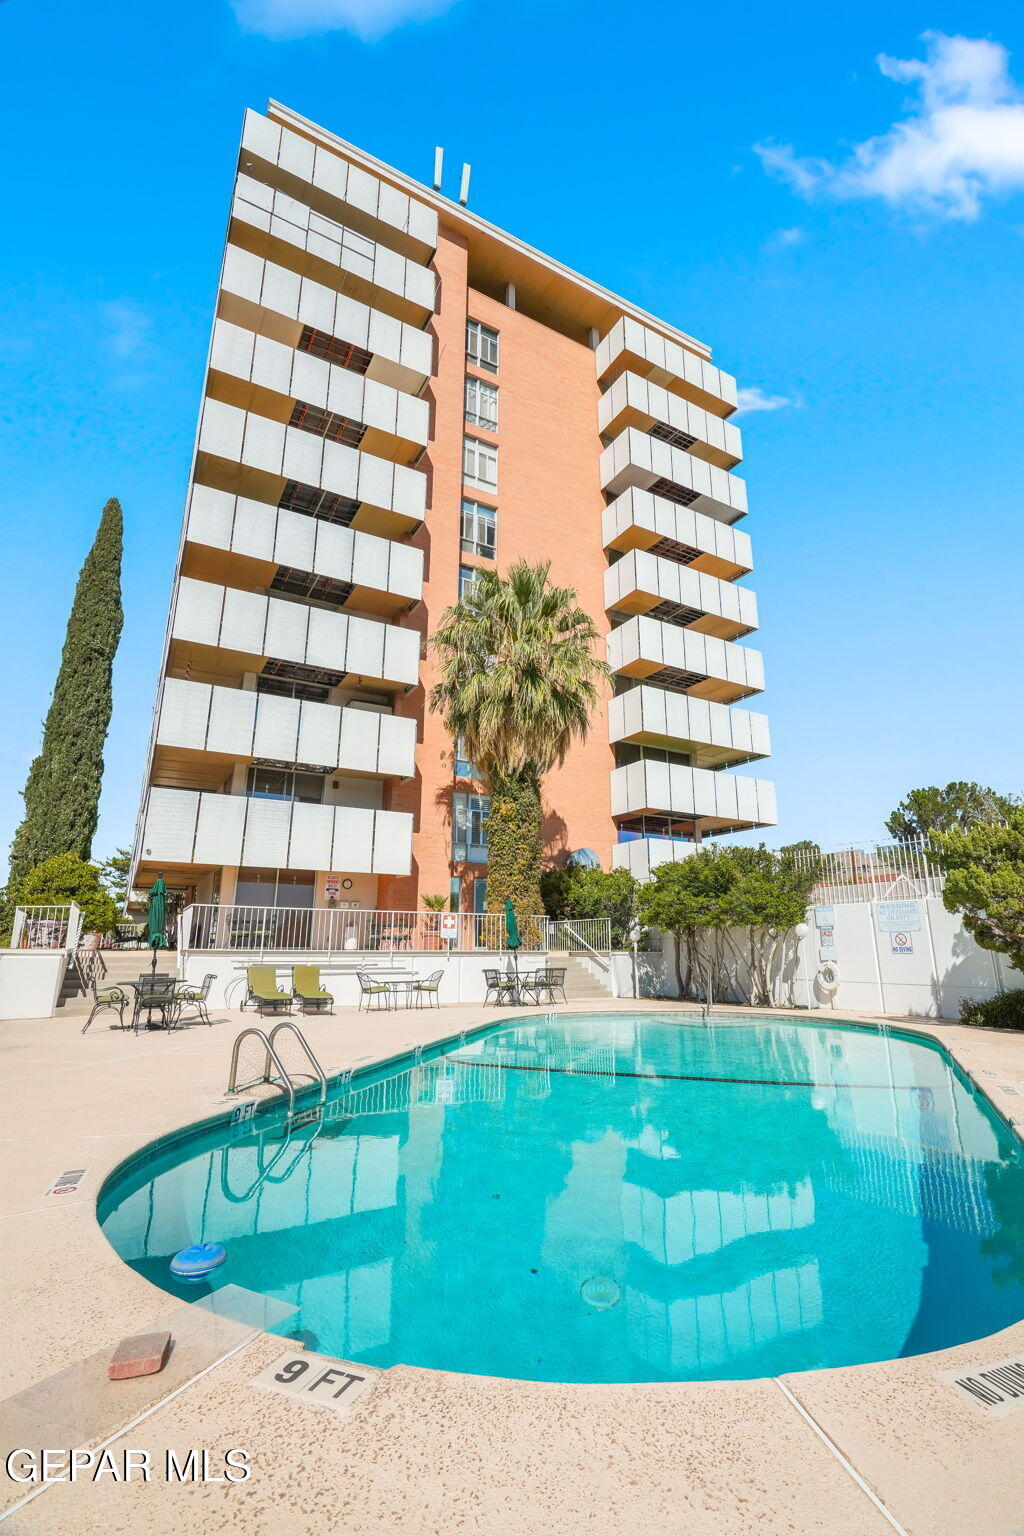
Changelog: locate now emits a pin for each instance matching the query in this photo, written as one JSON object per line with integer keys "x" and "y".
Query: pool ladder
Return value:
{"x": 272, "y": 1058}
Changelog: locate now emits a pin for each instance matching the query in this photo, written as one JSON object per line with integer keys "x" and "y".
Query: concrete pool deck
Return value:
{"x": 850, "y": 1452}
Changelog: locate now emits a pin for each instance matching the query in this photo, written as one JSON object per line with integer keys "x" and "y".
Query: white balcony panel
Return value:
{"x": 717, "y": 732}
{"x": 312, "y": 836}
{"x": 170, "y": 825}
{"x": 642, "y": 855}
{"x": 670, "y": 788}
{"x": 643, "y": 647}
{"x": 341, "y": 182}
{"x": 631, "y": 400}
{"x": 640, "y": 581}
{"x": 636, "y": 459}
{"x": 297, "y": 376}
{"x": 353, "y": 838}
{"x": 262, "y": 626}
{"x": 197, "y": 612}
{"x": 639, "y": 519}
{"x": 246, "y": 527}
{"x": 267, "y": 825}
{"x": 340, "y": 246}
{"x": 360, "y": 740}
{"x": 633, "y": 345}
{"x": 232, "y": 722}
{"x": 391, "y": 846}
{"x": 220, "y": 829}
{"x": 184, "y": 714}
{"x": 277, "y": 729}
{"x": 290, "y": 453}
{"x": 397, "y": 746}
{"x": 319, "y": 728}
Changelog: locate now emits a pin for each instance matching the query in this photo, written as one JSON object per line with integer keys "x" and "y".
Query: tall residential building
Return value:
{"x": 400, "y": 394}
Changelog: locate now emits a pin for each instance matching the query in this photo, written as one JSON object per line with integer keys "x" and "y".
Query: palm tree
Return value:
{"x": 518, "y": 682}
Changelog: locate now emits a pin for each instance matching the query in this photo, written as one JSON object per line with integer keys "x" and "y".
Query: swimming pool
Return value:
{"x": 612, "y": 1198}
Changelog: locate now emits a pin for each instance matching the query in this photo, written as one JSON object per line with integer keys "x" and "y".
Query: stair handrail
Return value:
{"x": 603, "y": 960}
{"x": 318, "y": 1072}
{"x": 270, "y": 1056}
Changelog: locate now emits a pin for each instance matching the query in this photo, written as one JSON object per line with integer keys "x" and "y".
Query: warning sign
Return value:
{"x": 902, "y": 943}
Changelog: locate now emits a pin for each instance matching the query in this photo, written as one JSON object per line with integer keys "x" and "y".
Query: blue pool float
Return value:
{"x": 198, "y": 1261}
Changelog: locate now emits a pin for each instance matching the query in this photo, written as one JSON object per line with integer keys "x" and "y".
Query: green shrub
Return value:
{"x": 1004, "y": 1011}
{"x": 66, "y": 878}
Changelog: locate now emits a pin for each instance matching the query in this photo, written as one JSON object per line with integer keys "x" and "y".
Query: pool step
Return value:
{"x": 581, "y": 984}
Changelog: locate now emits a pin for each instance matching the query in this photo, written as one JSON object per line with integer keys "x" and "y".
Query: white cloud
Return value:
{"x": 786, "y": 237}
{"x": 756, "y": 400}
{"x": 127, "y": 326}
{"x": 961, "y": 142}
{"x": 368, "y": 19}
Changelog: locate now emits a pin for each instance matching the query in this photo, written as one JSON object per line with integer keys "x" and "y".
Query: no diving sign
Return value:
{"x": 902, "y": 943}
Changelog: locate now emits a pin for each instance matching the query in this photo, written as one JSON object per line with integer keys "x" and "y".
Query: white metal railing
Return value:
{"x": 876, "y": 872}
{"x": 47, "y": 927}
{"x": 341, "y": 930}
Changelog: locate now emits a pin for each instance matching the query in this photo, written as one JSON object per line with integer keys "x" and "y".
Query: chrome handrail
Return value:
{"x": 318, "y": 1071}
{"x": 271, "y": 1056}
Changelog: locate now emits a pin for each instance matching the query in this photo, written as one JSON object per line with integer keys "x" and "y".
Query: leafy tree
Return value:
{"x": 63, "y": 788}
{"x": 959, "y": 805}
{"x": 586, "y": 893}
{"x": 66, "y": 878}
{"x": 746, "y": 899}
{"x": 114, "y": 874}
{"x": 984, "y": 868}
{"x": 518, "y": 682}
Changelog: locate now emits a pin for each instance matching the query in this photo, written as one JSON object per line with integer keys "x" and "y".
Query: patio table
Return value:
{"x": 162, "y": 997}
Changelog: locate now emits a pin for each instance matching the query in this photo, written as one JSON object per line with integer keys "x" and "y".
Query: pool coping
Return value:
{"x": 850, "y": 1379}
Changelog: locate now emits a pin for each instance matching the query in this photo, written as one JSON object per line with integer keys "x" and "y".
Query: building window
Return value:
{"x": 469, "y": 828}
{"x": 283, "y": 784}
{"x": 479, "y": 529}
{"x": 464, "y": 769}
{"x": 468, "y": 578}
{"x": 482, "y": 345}
{"x": 480, "y": 463}
{"x": 482, "y": 404}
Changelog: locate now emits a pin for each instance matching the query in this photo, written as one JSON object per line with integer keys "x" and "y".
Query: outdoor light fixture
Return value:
{"x": 801, "y": 930}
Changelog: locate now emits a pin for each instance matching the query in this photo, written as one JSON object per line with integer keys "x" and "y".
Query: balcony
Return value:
{"x": 643, "y": 855}
{"x": 636, "y": 459}
{"x": 290, "y": 233}
{"x": 635, "y": 402}
{"x": 714, "y": 735}
{"x": 685, "y": 661}
{"x": 278, "y": 303}
{"x": 275, "y": 381}
{"x": 269, "y": 461}
{"x": 336, "y": 187}
{"x": 337, "y": 647}
{"x": 196, "y": 828}
{"x": 239, "y": 725}
{"x": 249, "y": 544}
{"x": 630, "y": 346}
{"x": 638, "y": 520}
{"x": 664, "y": 589}
{"x": 715, "y": 802}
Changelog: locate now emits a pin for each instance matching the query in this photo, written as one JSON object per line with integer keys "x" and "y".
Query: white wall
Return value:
{"x": 30, "y": 982}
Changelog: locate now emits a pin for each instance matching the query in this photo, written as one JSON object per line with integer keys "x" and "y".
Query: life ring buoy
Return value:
{"x": 828, "y": 977}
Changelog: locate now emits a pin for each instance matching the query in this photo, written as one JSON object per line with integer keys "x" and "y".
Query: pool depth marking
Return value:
{"x": 680, "y": 1077}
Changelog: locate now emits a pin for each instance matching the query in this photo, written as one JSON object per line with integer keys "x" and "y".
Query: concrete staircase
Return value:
{"x": 580, "y": 983}
{"x": 122, "y": 965}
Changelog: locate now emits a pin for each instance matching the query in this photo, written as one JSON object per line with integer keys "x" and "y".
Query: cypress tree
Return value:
{"x": 62, "y": 793}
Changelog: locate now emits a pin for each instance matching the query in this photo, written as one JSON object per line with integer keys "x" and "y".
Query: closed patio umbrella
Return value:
{"x": 512, "y": 938}
{"x": 156, "y": 920}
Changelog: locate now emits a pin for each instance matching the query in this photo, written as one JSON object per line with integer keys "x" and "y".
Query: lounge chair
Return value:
{"x": 264, "y": 990}
{"x": 307, "y": 988}
{"x": 114, "y": 998}
{"x": 195, "y": 998}
{"x": 429, "y": 988}
{"x": 370, "y": 988}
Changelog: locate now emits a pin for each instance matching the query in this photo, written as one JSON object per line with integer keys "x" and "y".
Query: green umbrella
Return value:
{"x": 157, "y": 918}
{"x": 512, "y": 939}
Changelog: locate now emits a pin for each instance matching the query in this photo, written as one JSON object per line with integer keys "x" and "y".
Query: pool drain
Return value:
{"x": 600, "y": 1292}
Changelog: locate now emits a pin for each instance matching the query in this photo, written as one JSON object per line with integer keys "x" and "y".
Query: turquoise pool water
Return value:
{"x": 608, "y": 1199}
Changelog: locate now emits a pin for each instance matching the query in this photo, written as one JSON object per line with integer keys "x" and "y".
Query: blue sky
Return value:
{"x": 847, "y": 234}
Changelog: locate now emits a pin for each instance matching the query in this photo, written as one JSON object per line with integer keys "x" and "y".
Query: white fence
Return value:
{"x": 53, "y": 927}
{"x": 342, "y": 930}
{"x": 876, "y": 872}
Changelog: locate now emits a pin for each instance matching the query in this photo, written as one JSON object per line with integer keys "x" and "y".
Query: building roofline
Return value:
{"x": 455, "y": 214}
